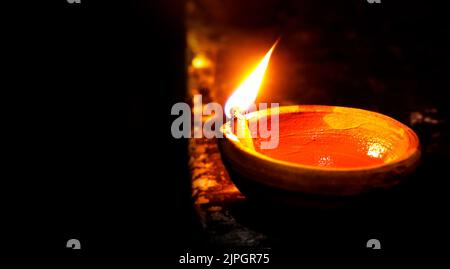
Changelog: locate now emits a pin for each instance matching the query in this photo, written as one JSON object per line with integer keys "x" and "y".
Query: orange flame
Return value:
{"x": 245, "y": 95}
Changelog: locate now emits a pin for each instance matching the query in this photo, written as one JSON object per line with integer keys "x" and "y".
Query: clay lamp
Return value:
{"x": 322, "y": 151}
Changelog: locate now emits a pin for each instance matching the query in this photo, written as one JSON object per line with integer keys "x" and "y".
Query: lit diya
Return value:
{"x": 322, "y": 151}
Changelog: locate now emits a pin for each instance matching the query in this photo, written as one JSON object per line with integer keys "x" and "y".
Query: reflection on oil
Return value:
{"x": 325, "y": 161}
{"x": 376, "y": 150}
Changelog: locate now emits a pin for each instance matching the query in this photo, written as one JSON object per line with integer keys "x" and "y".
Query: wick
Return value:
{"x": 242, "y": 130}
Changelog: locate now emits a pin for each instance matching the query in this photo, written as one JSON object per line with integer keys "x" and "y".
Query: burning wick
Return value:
{"x": 243, "y": 98}
{"x": 242, "y": 130}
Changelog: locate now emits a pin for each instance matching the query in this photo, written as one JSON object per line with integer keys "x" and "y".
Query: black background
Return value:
{"x": 91, "y": 86}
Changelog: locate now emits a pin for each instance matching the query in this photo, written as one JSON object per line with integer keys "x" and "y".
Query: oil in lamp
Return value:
{"x": 323, "y": 151}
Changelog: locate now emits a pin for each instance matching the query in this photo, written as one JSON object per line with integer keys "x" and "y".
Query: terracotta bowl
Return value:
{"x": 323, "y": 151}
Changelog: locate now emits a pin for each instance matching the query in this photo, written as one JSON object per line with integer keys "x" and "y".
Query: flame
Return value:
{"x": 245, "y": 95}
